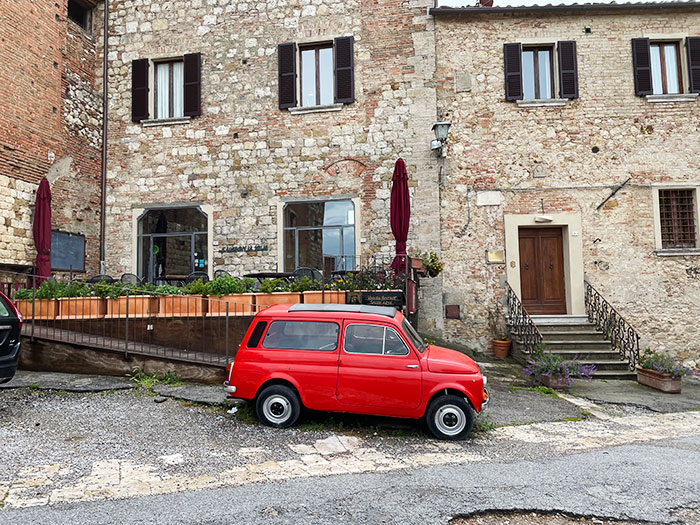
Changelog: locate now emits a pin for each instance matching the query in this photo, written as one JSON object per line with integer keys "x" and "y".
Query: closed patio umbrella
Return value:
{"x": 42, "y": 231}
{"x": 400, "y": 213}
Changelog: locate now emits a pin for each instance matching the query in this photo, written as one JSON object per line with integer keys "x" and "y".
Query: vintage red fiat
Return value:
{"x": 353, "y": 358}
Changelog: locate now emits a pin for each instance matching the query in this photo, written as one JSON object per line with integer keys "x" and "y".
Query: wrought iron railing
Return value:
{"x": 520, "y": 323}
{"x": 624, "y": 338}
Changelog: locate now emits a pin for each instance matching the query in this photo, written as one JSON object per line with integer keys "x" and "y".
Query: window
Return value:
{"x": 80, "y": 13}
{"x": 254, "y": 339}
{"x": 665, "y": 68}
{"x": 534, "y": 72}
{"x": 319, "y": 235}
{"x": 416, "y": 339}
{"x": 175, "y": 84}
{"x": 169, "y": 88}
{"x": 326, "y": 74}
{"x": 302, "y": 335}
{"x": 172, "y": 243}
{"x": 538, "y": 73}
{"x": 677, "y": 218}
{"x": 373, "y": 339}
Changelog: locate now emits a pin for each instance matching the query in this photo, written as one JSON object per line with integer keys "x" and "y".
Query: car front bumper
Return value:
{"x": 8, "y": 363}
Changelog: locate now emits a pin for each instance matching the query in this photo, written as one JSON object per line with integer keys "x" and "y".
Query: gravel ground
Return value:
{"x": 535, "y": 518}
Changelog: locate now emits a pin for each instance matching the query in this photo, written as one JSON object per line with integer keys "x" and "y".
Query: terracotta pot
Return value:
{"x": 501, "y": 348}
{"x": 81, "y": 307}
{"x": 269, "y": 299}
{"x": 238, "y": 304}
{"x": 43, "y": 308}
{"x": 182, "y": 306}
{"x": 139, "y": 306}
{"x": 555, "y": 382}
{"x": 419, "y": 266}
{"x": 327, "y": 297}
{"x": 661, "y": 382}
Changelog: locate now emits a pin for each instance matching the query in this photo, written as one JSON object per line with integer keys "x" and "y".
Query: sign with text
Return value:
{"x": 377, "y": 298}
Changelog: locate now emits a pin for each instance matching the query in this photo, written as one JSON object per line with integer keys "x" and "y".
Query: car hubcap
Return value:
{"x": 277, "y": 409}
{"x": 450, "y": 420}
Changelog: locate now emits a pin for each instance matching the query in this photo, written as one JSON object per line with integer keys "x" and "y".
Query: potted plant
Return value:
{"x": 276, "y": 291}
{"x": 82, "y": 301}
{"x": 232, "y": 291}
{"x": 433, "y": 264}
{"x": 187, "y": 301}
{"x": 554, "y": 371}
{"x": 46, "y": 300}
{"x": 419, "y": 266}
{"x": 140, "y": 303}
{"x": 315, "y": 292}
{"x": 660, "y": 371}
{"x": 501, "y": 347}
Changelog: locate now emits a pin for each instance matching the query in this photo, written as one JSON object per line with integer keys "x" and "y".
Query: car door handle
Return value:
{"x": 411, "y": 366}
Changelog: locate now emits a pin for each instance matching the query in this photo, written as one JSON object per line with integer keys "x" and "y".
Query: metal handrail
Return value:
{"x": 521, "y": 324}
{"x": 624, "y": 338}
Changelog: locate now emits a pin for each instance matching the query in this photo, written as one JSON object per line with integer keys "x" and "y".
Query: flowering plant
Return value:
{"x": 662, "y": 363}
{"x": 432, "y": 263}
{"x": 546, "y": 364}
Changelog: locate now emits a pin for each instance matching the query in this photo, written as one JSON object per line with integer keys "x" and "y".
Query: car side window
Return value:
{"x": 254, "y": 339}
{"x": 373, "y": 340}
{"x": 302, "y": 335}
{"x": 4, "y": 309}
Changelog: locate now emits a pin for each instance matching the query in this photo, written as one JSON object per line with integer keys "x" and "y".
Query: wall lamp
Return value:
{"x": 441, "y": 130}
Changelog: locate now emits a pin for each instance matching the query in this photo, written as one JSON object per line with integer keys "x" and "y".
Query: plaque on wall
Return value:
{"x": 376, "y": 298}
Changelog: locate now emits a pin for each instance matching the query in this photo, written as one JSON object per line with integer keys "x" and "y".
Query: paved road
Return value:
{"x": 644, "y": 482}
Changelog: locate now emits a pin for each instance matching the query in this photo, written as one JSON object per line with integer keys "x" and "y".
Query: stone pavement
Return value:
{"x": 67, "y": 382}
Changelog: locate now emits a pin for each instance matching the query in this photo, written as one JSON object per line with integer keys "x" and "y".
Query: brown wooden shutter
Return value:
{"x": 139, "y": 90}
{"x": 568, "y": 69}
{"x": 192, "y": 95}
{"x": 512, "y": 59}
{"x": 287, "y": 75}
{"x": 693, "y": 47}
{"x": 641, "y": 61}
{"x": 344, "y": 70}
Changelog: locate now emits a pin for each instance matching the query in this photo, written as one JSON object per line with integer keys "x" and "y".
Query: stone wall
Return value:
{"x": 49, "y": 126}
{"x": 243, "y": 141}
{"x": 542, "y": 160}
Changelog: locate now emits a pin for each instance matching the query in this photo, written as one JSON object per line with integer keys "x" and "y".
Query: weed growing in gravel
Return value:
{"x": 34, "y": 387}
{"x": 148, "y": 381}
{"x": 483, "y": 424}
{"x": 246, "y": 413}
{"x": 542, "y": 390}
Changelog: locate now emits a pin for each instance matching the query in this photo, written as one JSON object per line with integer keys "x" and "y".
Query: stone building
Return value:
{"x": 574, "y": 150}
{"x": 50, "y": 122}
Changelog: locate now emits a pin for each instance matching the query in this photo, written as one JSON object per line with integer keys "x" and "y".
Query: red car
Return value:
{"x": 353, "y": 358}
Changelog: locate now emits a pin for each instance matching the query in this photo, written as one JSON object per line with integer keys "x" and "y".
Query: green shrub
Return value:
{"x": 274, "y": 285}
{"x": 23, "y": 294}
{"x": 51, "y": 290}
{"x": 167, "y": 289}
{"x": 197, "y": 287}
{"x": 78, "y": 289}
{"x": 304, "y": 284}
{"x": 228, "y": 286}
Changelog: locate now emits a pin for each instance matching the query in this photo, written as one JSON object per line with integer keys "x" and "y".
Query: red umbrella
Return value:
{"x": 42, "y": 230}
{"x": 400, "y": 213}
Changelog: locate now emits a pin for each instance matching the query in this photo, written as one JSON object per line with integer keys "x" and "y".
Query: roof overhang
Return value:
{"x": 632, "y": 6}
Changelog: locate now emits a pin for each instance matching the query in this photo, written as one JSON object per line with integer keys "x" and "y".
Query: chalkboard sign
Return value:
{"x": 67, "y": 251}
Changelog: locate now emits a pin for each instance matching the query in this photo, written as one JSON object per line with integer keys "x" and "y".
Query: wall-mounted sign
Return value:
{"x": 376, "y": 298}
{"x": 67, "y": 251}
{"x": 240, "y": 248}
{"x": 495, "y": 256}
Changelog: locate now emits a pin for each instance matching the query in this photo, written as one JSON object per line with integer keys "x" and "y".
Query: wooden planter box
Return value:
{"x": 43, "y": 308}
{"x": 81, "y": 308}
{"x": 182, "y": 306}
{"x": 269, "y": 299}
{"x": 139, "y": 306}
{"x": 419, "y": 266}
{"x": 555, "y": 382}
{"x": 501, "y": 348}
{"x": 661, "y": 382}
{"x": 238, "y": 304}
{"x": 327, "y": 297}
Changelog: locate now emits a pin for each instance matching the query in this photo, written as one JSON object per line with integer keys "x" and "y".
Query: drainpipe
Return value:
{"x": 103, "y": 182}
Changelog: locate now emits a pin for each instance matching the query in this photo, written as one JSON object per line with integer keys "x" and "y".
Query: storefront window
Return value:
{"x": 172, "y": 243}
{"x": 319, "y": 235}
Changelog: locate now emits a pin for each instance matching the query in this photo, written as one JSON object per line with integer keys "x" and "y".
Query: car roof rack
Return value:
{"x": 387, "y": 311}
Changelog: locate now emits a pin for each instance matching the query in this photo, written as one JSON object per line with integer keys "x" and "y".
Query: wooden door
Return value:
{"x": 542, "y": 270}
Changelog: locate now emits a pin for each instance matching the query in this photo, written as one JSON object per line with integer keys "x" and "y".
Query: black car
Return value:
{"x": 10, "y": 327}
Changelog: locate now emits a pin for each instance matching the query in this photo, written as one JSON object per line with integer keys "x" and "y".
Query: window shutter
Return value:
{"x": 344, "y": 70}
{"x": 287, "y": 75}
{"x": 192, "y": 91}
{"x": 139, "y": 90}
{"x": 512, "y": 57}
{"x": 641, "y": 60}
{"x": 568, "y": 69}
{"x": 693, "y": 47}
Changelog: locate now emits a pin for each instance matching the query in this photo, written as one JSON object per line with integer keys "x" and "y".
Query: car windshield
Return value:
{"x": 416, "y": 339}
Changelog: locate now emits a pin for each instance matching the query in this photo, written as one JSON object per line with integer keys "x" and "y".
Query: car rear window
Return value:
{"x": 5, "y": 310}
{"x": 302, "y": 335}
{"x": 254, "y": 339}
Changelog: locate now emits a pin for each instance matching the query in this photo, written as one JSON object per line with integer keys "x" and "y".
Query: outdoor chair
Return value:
{"x": 195, "y": 276}
{"x": 130, "y": 279}
{"x": 312, "y": 273}
{"x": 221, "y": 273}
{"x": 100, "y": 279}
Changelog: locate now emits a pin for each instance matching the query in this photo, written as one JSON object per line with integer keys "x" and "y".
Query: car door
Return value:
{"x": 377, "y": 368}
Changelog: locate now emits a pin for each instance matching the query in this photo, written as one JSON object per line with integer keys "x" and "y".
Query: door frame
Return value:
{"x": 570, "y": 223}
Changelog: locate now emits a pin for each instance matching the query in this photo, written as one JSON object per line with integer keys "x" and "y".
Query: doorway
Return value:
{"x": 542, "y": 270}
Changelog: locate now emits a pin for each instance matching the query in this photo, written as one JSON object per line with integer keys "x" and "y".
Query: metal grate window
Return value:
{"x": 677, "y": 213}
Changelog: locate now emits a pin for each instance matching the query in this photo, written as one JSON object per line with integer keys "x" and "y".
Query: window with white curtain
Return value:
{"x": 665, "y": 68}
{"x": 169, "y": 86}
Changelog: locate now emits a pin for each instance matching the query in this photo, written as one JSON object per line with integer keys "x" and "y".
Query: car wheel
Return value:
{"x": 450, "y": 417}
{"x": 278, "y": 406}
{"x": 4, "y": 380}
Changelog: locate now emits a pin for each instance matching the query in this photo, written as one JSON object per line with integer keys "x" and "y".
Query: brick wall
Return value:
{"x": 49, "y": 126}
{"x": 524, "y": 152}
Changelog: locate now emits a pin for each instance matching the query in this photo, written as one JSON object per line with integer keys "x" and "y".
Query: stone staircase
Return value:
{"x": 574, "y": 337}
